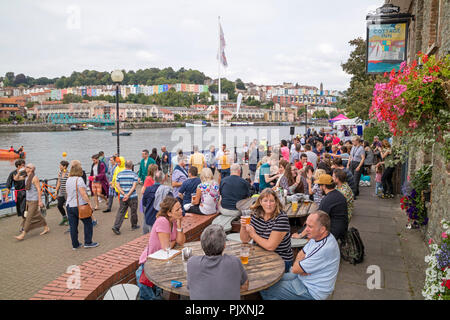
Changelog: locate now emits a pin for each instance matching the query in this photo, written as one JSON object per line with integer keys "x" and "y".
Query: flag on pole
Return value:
{"x": 222, "y": 57}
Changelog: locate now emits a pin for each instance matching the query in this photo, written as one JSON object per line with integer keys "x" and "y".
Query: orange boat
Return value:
{"x": 6, "y": 154}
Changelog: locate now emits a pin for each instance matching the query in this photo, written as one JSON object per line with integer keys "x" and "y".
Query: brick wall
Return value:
{"x": 113, "y": 267}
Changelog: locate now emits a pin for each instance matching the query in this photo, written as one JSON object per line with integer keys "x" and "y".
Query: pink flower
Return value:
{"x": 430, "y": 241}
{"x": 427, "y": 79}
{"x": 444, "y": 235}
{"x": 413, "y": 124}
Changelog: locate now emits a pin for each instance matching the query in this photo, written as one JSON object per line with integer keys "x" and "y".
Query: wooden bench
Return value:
{"x": 122, "y": 292}
{"x": 225, "y": 221}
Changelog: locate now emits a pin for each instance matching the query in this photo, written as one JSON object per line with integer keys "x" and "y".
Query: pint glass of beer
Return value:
{"x": 245, "y": 252}
{"x": 246, "y": 216}
{"x": 294, "y": 206}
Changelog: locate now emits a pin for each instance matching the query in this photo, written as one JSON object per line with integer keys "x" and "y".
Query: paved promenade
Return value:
{"x": 29, "y": 265}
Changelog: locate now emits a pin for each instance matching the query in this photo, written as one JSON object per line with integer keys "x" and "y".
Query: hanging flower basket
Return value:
{"x": 414, "y": 103}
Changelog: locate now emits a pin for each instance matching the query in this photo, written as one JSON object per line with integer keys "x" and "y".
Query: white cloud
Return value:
{"x": 268, "y": 41}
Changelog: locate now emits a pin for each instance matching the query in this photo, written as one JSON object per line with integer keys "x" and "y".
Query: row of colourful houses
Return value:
{"x": 125, "y": 90}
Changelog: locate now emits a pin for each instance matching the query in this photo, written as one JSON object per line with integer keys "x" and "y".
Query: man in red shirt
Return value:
{"x": 303, "y": 162}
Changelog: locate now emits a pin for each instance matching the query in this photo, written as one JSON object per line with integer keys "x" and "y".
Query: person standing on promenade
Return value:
{"x": 19, "y": 189}
{"x": 154, "y": 155}
{"x": 197, "y": 159}
{"x": 97, "y": 181}
{"x": 127, "y": 181}
{"x": 143, "y": 167}
{"x": 211, "y": 159}
{"x": 33, "y": 216}
{"x": 356, "y": 162}
{"x": 77, "y": 196}
{"x": 165, "y": 162}
{"x": 151, "y": 200}
{"x": 63, "y": 175}
{"x": 111, "y": 192}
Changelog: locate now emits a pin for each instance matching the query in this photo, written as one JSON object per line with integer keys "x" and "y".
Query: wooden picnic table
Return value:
{"x": 303, "y": 210}
{"x": 264, "y": 268}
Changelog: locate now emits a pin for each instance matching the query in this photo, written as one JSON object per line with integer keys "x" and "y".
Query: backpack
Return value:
{"x": 352, "y": 247}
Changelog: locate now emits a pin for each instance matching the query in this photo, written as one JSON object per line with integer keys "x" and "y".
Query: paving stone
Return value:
{"x": 396, "y": 280}
{"x": 347, "y": 291}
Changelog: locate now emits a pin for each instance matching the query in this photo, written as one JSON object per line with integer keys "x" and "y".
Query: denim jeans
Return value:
{"x": 290, "y": 287}
{"x": 147, "y": 293}
{"x": 72, "y": 214}
{"x": 287, "y": 266}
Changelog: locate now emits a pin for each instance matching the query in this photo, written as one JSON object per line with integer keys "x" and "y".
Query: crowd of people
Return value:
{"x": 165, "y": 189}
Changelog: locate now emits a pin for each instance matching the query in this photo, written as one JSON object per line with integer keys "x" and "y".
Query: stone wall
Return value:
{"x": 440, "y": 194}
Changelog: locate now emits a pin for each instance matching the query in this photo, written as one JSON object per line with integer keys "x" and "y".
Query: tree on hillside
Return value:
{"x": 333, "y": 114}
{"x": 240, "y": 85}
{"x": 358, "y": 97}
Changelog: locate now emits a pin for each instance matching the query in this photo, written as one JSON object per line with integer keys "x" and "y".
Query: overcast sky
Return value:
{"x": 268, "y": 42}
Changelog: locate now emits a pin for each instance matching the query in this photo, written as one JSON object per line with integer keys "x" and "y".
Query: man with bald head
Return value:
{"x": 126, "y": 183}
{"x": 315, "y": 268}
{"x": 232, "y": 189}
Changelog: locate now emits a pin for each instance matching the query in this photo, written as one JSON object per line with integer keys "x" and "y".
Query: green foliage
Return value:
{"x": 320, "y": 114}
{"x": 375, "y": 130}
{"x": 69, "y": 98}
{"x": 252, "y": 102}
{"x": 240, "y": 85}
{"x": 226, "y": 87}
{"x": 333, "y": 114}
{"x": 358, "y": 97}
{"x": 422, "y": 178}
{"x": 152, "y": 76}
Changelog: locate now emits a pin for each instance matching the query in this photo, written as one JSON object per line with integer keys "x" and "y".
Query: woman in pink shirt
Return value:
{"x": 166, "y": 231}
{"x": 284, "y": 150}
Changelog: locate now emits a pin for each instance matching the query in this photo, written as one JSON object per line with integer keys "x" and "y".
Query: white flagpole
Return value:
{"x": 220, "y": 98}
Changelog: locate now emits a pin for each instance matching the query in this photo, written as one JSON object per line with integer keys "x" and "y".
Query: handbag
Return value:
{"x": 143, "y": 278}
{"x": 85, "y": 210}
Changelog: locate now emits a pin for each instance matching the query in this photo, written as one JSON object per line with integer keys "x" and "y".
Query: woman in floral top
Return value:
{"x": 340, "y": 177}
{"x": 207, "y": 196}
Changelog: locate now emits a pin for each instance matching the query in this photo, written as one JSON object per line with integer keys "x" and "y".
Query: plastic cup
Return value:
{"x": 245, "y": 252}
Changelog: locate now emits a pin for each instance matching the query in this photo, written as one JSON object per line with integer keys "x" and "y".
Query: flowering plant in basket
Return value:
{"x": 415, "y": 102}
{"x": 437, "y": 281}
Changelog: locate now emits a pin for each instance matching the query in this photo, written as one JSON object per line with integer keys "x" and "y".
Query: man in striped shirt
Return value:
{"x": 126, "y": 183}
{"x": 315, "y": 269}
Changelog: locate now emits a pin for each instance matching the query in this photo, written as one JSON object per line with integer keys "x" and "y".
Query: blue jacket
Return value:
{"x": 148, "y": 202}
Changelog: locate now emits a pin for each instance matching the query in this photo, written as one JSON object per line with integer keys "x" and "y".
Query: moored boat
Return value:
{"x": 6, "y": 154}
{"x": 241, "y": 123}
{"x": 121, "y": 134}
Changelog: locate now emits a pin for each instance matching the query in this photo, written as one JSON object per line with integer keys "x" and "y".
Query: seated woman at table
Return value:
{"x": 166, "y": 231}
{"x": 297, "y": 182}
{"x": 269, "y": 227}
{"x": 282, "y": 181}
{"x": 215, "y": 276}
{"x": 207, "y": 195}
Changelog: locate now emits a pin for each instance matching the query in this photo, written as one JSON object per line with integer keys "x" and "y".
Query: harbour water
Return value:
{"x": 45, "y": 149}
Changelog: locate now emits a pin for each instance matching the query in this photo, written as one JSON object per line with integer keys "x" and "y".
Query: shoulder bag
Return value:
{"x": 85, "y": 210}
